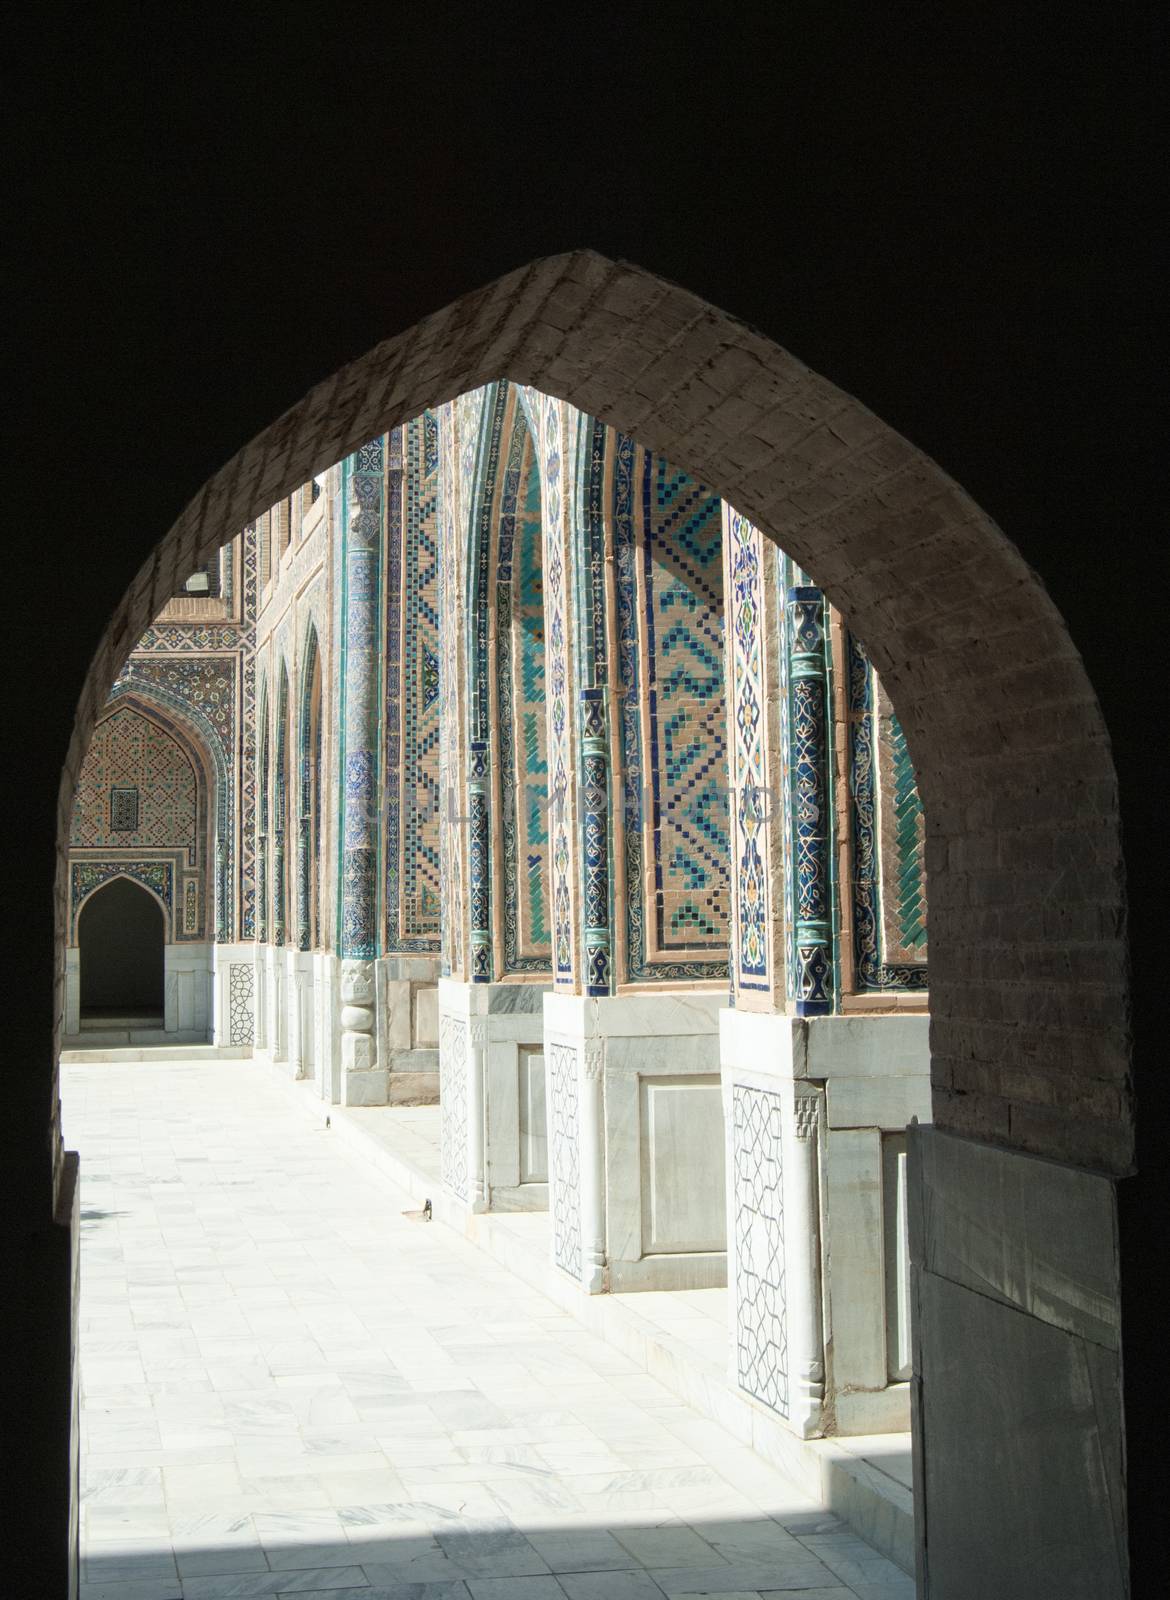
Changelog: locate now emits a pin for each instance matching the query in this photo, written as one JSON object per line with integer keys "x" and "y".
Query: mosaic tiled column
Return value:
{"x": 304, "y": 867}
{"x": 363, "y": 511}
{"x": 558, "y": 577}
{"x": 262, "y": 888}
{"x": 362, "y": 502}
{"x": 479, "y": 862}
{"x": 810, "y": 816}
{"x": 304, "y": 823}
{"x": 754, "y": 743}
{"x": 263, "y": 768}
{"x": 595, "y": 819}
{"x": 280, "y": 817}
{"x": 221, "y": 890}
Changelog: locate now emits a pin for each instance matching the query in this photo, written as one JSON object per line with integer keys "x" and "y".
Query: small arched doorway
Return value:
{"x": 120, "y": 937}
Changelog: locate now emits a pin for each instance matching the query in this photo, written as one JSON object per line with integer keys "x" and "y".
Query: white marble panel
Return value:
{"x": 73, "y": 991}
{"x": 897, "y": 1256}
{"x": 878, "y": 1102}
{"x": 533, "y": 1130}
{"x": 187, "y": 987}
{"x": 882, "y": 1046}
{"x": 854, "y": 1236}
{"x": 426, "y": 1017}
{"x": 682, "y": 1161}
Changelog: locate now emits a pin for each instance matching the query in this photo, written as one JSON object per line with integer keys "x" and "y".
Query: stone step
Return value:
{"x": 88, "y": 1051}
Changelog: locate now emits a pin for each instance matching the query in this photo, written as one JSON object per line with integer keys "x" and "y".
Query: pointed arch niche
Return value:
{"x": 147, "y": 811}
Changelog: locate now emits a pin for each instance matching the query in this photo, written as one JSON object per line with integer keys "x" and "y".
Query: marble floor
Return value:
{"x": 291, "y": 1387}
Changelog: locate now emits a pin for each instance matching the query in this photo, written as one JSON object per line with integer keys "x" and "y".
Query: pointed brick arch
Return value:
{"x": 1029, "y": 1006}
{"x": 1029, "y": 1037}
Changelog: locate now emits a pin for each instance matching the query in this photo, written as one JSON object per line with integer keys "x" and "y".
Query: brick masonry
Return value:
{"x": 1028, "y": 981}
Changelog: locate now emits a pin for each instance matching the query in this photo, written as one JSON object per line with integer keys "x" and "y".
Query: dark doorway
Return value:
{"x": 120, "y": 939}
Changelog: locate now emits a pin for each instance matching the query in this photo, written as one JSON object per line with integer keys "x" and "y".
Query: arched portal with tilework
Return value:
{"x": 1029, "y": 1063}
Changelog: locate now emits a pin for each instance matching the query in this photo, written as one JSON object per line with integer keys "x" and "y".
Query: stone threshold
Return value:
{"x": 79, "y": 1050}
{"x": 863, "y": 1480}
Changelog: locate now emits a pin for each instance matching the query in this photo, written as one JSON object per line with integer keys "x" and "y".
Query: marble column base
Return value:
{"x": 187, "y": 985}
{"x": 492, "y": 1092}
{"x": 408, "y": 1023}
{"x": 234, "y": 993}
{"x": 816, "y": 1111}
{"x": 636, "y": 1142}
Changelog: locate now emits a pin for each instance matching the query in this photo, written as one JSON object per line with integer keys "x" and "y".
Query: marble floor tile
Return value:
{"x": 610, "y": 1586}
{"x": 535, "y": 1588}
{"x": 290, "y": 1388}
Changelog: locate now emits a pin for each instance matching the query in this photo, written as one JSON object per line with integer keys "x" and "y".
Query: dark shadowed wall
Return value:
{"x": 947, "y": 214}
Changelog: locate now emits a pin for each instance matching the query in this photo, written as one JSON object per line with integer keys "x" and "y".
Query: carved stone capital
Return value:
{"x": 357, "y": 983}
{"x": 807, "y": 1115}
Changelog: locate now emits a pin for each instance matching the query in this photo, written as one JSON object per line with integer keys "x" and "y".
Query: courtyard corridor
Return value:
{"x": 290, "y": 1386}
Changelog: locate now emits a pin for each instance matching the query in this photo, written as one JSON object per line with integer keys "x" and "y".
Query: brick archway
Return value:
{"x": 1030, "y": 1048}
{"x": 1028, "y": 972}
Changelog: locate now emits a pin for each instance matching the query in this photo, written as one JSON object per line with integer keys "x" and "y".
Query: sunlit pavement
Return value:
{"x": 290, "y": 1387}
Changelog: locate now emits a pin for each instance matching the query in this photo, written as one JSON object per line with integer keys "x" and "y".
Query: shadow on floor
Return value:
{"x": 421, "y": 1551}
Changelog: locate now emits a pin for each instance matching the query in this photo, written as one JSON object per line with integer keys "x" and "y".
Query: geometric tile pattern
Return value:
{"x": 204, "y": 689}
{"x": 123, "y": 810}
{"x": 131, "y": 756}
{"x": 241, "y": 985}
{"x": 459, "y": 430}
{"x": 564, "y": 1164}
{"x": 751, "y": 819}
{"x": 520, "y": 725}
{"x": 263, "y": 807}
{"x": 453, "y": 1103}
{"x": 903, "y": 841}
{"x": 85, "y": 876}
{"x": 668, "y": 554}
{"x": 308, "y": 794}
{"x": 811, "y": 817}
{"x": 889, "y": 897}
{"x": 761, "y": 1343}
{"x": 363, "y": 510}
{"x": 557, "y": 569}
{"x": 281, "y": 797}
{"x": 592, "y": 542}
{"x": 245, "y": 779}
{"x": 411, "y": 843}
{"x": 482, "y": 752}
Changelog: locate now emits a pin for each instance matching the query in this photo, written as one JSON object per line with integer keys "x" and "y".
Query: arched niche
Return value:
{"x": 121, "y": 934}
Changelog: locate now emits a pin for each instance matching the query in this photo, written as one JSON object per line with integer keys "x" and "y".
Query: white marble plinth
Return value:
{"x": 815, "y": 1113}
{"x": 408, "y": 1027}
{"x": 491, "y": 1062}
{"x": 636, "y": 1146}
{"x": 187, "y": 982}
{"x": 234, "y": 995}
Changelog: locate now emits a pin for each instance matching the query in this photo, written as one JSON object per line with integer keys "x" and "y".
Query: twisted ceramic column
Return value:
{"x": 479, "y": 863}
{"x": 809, "y": 818}
{"x": 362, "y": 506}
{"x": 595, "y": 819}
